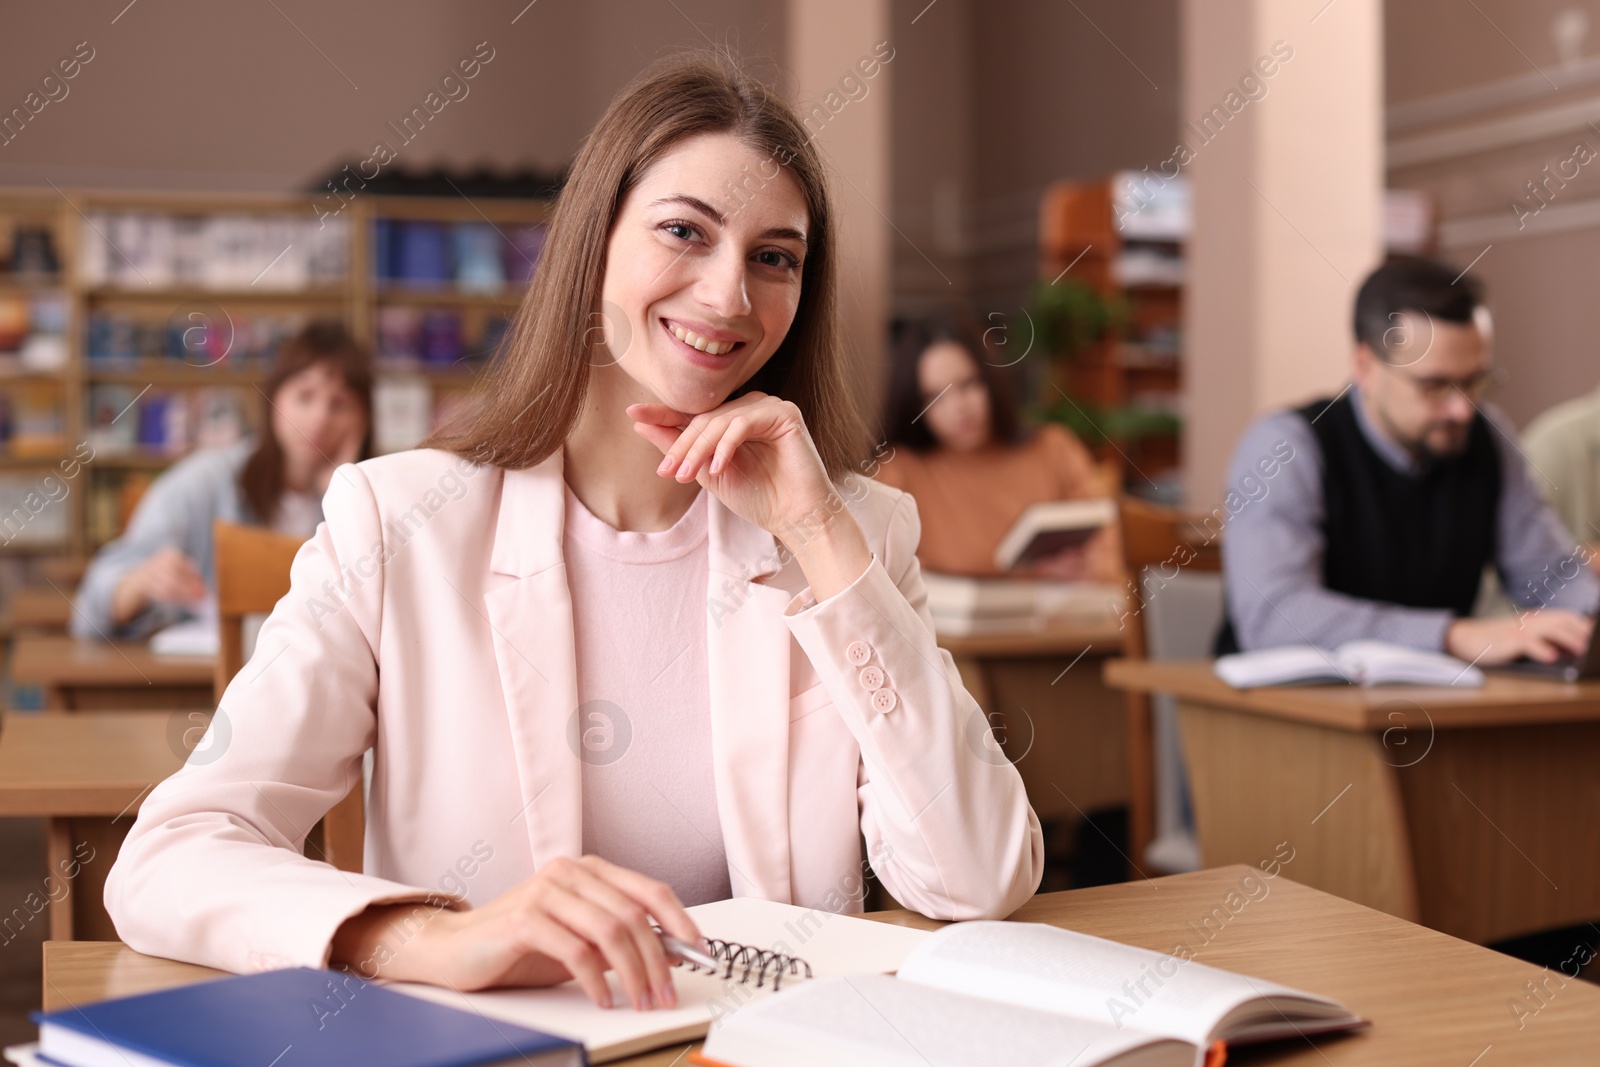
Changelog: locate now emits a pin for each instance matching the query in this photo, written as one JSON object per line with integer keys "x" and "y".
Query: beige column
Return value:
{"x": 1288, "y": 181}
{"x": 832, "y": 45}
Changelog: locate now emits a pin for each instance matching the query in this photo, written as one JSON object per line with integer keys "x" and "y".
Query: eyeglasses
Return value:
{"x": 1436, "y": 389}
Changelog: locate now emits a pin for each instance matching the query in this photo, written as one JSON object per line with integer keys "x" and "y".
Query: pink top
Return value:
{"x": 643, "y": 725}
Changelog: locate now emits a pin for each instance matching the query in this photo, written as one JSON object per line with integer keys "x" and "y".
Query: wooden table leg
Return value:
{"x": 80, "y": 852}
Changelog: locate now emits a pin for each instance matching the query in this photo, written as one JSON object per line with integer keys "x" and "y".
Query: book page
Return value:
{"x": 1055, "y": 970}
{"x": 1282, "y": 666}
{"x": 877, "y": 1021}
{"x": 832, "y": 944}
{"x": 1385, "y": 663}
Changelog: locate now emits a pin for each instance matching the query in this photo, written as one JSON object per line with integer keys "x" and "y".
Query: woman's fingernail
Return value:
{"x": 605, "y": 1000}
{"x": 666, "y": 465}
{"x": 669, "y": 995}
{"x": 716, "y": 464}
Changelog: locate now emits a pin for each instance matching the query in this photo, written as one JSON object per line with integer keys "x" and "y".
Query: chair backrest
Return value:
{"x": 1170, "y": 541}
{"x": 252, "y": 576}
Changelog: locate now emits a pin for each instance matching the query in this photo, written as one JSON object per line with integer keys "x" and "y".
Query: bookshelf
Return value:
{"x": 1123, "y": 237}
{"x": 155, "y": 330}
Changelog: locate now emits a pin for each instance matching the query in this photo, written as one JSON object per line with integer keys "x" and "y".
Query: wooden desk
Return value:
{"x": 86, "y": 775}
{"x": 1431, "y": 998}
{"x": 79, "y": 675}
{"x": 1472, "y": 811}
{"x": 1057, "y": 720}
{"x": 38, "y": 608}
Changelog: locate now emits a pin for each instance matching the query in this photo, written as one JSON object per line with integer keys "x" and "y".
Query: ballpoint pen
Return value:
{"x": 685, "y": 952}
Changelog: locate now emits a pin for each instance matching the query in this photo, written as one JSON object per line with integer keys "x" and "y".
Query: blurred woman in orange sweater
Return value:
{"x": 962, "y": 452}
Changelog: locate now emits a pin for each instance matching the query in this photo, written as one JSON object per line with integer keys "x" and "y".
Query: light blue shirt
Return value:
{"x": 1272, "y": 548}
{"x": 177, "y": 511}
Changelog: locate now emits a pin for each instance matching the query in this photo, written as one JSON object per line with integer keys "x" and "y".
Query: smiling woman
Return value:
{"x": 668, "y": 427}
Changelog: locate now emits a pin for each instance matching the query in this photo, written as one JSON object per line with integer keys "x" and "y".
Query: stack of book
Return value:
{"x": 469, "y": 256}
{"x": 967, "y": 607}
{"x": 414, "y": 337}
{"x": 140, "y": 250}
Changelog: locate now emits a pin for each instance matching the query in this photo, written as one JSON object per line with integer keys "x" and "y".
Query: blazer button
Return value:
{"x": 884, "y": 701}
{"x": 871, "y": 678}
{"x": 858, "y": 652}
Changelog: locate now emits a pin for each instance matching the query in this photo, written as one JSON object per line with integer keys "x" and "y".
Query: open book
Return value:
{"x": 829, "y": 944}
{"x": 981, "y": 993}
{"x": 1045, "y": 529}
{"x": 1357, "y": 662}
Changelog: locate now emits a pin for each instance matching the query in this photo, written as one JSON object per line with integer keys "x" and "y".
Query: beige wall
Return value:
{"x": 1473, "y": 118}
{"x": 1070, "y": 91}
{"x": 186, "y": 94}
{"x": 830, "y": 44}
{"x": 1287, "y": 214}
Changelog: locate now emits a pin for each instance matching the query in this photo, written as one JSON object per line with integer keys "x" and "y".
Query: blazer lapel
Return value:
{"x": 534, "y": 650}
{"x": 748, "y": 655}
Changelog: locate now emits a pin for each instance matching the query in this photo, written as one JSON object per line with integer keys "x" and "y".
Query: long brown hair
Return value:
{"x": 321, "y": 341}
{"x": 529, "y": 399}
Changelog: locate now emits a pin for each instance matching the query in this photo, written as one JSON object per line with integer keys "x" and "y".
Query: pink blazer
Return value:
{"x": 429, "y": 619}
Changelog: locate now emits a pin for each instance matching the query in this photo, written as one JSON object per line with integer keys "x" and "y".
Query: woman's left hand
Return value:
{"x": 754, "y": 453}
{"x": 349, "y": 451}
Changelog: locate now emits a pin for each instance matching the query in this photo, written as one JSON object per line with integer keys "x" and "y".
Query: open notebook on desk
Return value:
{"x": 830, "y": 944}
{"x": 981, "y": 993}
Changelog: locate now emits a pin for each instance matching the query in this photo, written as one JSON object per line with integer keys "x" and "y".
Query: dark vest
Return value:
{"x": 1419, "y": 542}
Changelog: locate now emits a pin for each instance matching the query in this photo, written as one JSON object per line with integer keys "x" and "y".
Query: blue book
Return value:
{"x": 422, "y": 250}
{"x": 298, "y": 1017}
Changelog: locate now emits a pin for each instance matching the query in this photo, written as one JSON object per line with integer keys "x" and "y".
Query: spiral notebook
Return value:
{"x": 761, "y": 943}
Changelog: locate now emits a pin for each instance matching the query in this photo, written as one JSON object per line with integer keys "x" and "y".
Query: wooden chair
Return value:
{"x": 252, "y": 576}
{"x": 1153, "y": 536}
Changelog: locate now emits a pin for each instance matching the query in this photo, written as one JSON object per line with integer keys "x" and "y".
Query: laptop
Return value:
{"x": 1566, "y": 668}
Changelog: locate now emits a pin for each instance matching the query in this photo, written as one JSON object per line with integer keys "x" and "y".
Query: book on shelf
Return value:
{"x": 480, "y": 267}
{"x": 33, "y": 419}
{"x": 1354, "y": 662}
{"x": 113, "y": 496}
{"x": 125, "y": 419}
{"x": 29, "y": 252}
{"x": 1046, "y": 528}
{"x": 197, "y": 338}
{"x": 269, "y": 251}
{"x": 32, "y": 512}
{"x": 33, "y": 330}
{"x": 402, "y": 412}
{"x": 980, "y": 993}
{"x": 472, "y": 257}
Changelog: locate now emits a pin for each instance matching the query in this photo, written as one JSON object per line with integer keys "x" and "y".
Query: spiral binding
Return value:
{"x": 748, "y": 960}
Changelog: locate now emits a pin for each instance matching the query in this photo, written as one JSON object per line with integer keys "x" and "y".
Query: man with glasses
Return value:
{"x": 1399, "y": 492}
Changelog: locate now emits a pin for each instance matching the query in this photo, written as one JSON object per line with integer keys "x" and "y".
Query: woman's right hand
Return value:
{"x": 166, "y": 577}
{"x": 574, "y": 919}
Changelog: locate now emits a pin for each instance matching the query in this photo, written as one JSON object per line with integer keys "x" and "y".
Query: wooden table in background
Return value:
{"x": 86, "y": 774}
{"x": 1475, "y": 811}
{"x": 38, "y": 608}
{"x": 78, "y": 675}
{"x": 1431, "y": 998}
{"x": 1060, "y": 724}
